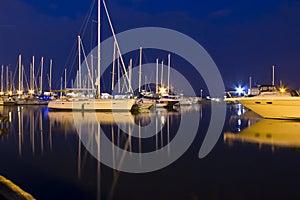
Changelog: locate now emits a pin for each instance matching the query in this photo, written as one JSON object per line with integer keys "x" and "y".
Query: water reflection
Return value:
{"x": 277, "y": 133}
{"x": 131, "y": 133}
{"x": 249, "y": 128}
{"x": 51, "y": 141}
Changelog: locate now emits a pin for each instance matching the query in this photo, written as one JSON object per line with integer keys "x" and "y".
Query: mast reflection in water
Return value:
{"x": 44, "y": 155}
{"x": 41, "y": 152}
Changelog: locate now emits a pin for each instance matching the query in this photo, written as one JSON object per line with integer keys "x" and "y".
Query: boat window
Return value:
{"x": 267, "y": 88}
{"x": 269, "y": 102}
{"x": 295, "y": 93}
{"x": 257, "y": 102}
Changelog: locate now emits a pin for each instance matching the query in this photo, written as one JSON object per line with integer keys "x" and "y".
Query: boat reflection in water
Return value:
{"x": 143, "y": 132}
{"x": 55, "y": 144}
{"x": 271, "y": 132}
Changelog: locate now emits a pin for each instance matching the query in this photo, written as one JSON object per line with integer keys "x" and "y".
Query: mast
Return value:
{"x": 20, "y": 71}
{"x": 140, "y": 70}
{"x": 50, "y": 81}
{"x": 65, "y": 78}
{"x": 273, "y": 75}
{"x": 79, "y": 62}
{"x": 162, "y": 73}
{"x": 61, "y": 80}
{"x": 113, "y": 70}
{"x": 156, "y": 83}
{"x": 2, "y": 81}
{"x": 169, "y": 68}
{"x": 22, "y": 78}
{"x": 32, "y": 76}
{"x": 119, "y": 81}
{"x": 99, "y": 49}
{"x": 130, "y": 71}
{"x": 7, "y": 82}
{"x": 92, "y": 67}
{"x": 77, "y": 79}
{"x": 41, "y": 76}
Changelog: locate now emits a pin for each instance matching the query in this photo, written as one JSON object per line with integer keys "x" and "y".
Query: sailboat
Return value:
{"x": 99, "y": 104}
{"x": 162, "y": 97}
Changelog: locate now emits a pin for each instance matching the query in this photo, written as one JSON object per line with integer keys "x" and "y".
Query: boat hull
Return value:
{"x": 273, "y": 108}
{"x": 93, "y": 104}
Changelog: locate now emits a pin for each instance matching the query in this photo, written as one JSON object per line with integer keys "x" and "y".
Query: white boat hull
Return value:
{"x": 93, "y": 104}
{"x": 273, "y": 108}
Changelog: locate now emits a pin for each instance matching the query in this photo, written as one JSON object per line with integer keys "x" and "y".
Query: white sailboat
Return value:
{"x": 100, "y": 104}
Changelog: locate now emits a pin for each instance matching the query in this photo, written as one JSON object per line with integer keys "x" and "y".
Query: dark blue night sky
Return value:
{"x": 244, "y": 38}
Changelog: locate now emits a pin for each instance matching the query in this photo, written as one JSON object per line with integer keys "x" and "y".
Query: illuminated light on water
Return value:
{"x": 9, "y": 117}
{"x": 239, "y": 111}
{"x": 239, "y": 122}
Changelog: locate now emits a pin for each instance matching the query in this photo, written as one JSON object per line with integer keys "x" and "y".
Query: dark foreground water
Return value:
{"x": 253, "y": 159}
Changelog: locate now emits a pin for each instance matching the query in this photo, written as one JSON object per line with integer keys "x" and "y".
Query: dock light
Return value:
{"x": 9, "y": 92}
{"x": 31, "y": 91}
{"x": 1, "y": 93}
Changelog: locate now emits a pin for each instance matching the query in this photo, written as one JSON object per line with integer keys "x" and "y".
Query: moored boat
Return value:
{"x": 272, "y": 103}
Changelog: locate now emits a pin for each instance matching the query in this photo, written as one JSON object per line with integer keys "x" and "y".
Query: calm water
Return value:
{"x": 40, "y": 151}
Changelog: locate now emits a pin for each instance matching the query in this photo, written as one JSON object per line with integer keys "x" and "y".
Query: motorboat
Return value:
{"x": 272, "y": 103}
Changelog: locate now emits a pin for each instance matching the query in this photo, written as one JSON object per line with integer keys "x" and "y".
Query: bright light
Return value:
{"x": 30, "y": 91}
{"x": 282, "y": 90}
{"x": 19, "y": 92}
{"x": 162, "y": 90}
{"x": 1, "y": 93}
{"x": 239, "y": 90}
{"x": 9, "y": 92}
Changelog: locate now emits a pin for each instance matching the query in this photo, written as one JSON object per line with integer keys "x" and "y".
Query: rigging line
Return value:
{"x": 23, "y": 71}
{"x": 15, "y": 72}
{"x": 86, "y": 19}
{"x": 73, "y": 50}
{"x": 87, "y": 65}
{"x": 123, "y": 79}
{"x": 118, "y": 48}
